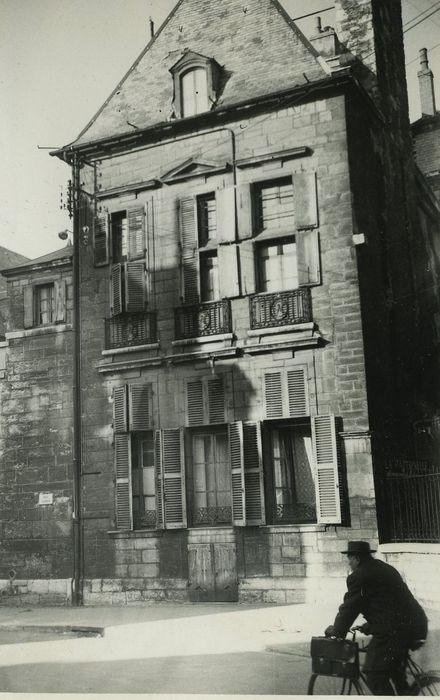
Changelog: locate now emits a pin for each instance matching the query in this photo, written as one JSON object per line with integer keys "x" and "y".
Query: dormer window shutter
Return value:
{"x": 205, "y": 401}
{"x": 286, "y": 394}
{"x": 120, "y": 409}
{"x": 101, "y": 248}
{"x": 135, "y": 288}
{"x": 136, "y": 232}
{"x": 325, "y": 452}
{"x": 190, "y": 260}
{"x": 305, "y": 200}
{"x": 140, "y": 407}
{"x": 307, "y": 250}
{"x": 123, "y": 492}
{"x": 60, "y": 301}
{"x": 116, "y": 290}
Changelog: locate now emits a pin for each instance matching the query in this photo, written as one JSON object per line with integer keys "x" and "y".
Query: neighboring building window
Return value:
{"x": 143, "y": 479}
{"x": 47, "y": 304}
{"x": 277, "y": 266}
{"x": 44, "y": 300}
{"x": 119, "y": 237}
{"x": 210, "y": 478}
{"x": 274, "y": 208}
{"x": 194, "y": 92}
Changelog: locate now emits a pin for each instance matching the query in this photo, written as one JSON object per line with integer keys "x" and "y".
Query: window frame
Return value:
{"x": 191, "y": 61}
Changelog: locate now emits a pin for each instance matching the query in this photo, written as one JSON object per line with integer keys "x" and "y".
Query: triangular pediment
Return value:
{"x": 194, "y": 167}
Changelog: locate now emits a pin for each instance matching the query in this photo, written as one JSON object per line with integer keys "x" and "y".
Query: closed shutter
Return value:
{"x": 158, "y": 475}
{"x": 116, "y": 290}
{"x": 101, "y": 254}
{"x": 205, "y": 401}
{"x": 244, "y": 212}
{"x": 228, "y": 271}
{"x": 216, "y": 400}
{"x": 237, "y": 473}
{"x": 286, "y": 394}
{"x": 60, "y": 301}
{"x": 28, "y": 307}
{"x": 225, "y": 200}
{"x": 273, "y": 395}
{"x": 309, "y": 267}
{"x": 120, "y": 414}
{"x": 247, "y": 267}
{"x": 305, "y": 198}
{"x": 195, "y": 409}
{"x": 189, "y": 243}
{"x": 139, "y": 407}
{"x": 124, "y": 515}
{"x": 135, "y": 286}
{"x": 173, "y": 479}
{"x": 325, "y": 452}
{"x": 253, "y": 474}
{"x": 297, "y": 394}
{"x": 136, "y": 233}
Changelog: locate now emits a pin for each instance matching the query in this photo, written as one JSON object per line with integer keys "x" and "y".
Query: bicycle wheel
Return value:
{"x": 426, "y": 683}
{"x": 332, "y": 685}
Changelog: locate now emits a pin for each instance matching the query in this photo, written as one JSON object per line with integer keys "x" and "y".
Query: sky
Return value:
{"x": 60, "y": 60}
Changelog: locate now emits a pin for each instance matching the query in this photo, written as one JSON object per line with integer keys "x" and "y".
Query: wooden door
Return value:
{"x": 225, "y": 572}
{"x": 201, "y": 585}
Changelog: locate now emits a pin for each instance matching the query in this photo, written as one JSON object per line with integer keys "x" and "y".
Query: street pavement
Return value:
{"x": 167, "y": 650}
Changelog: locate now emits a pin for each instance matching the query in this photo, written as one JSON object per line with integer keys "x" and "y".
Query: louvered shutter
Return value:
{"x": 120, "y": 413}
{"x": 136, "y": 232}
{"x": 173, "y": 478}
{"x": 101, "y": 254}
{"x": 253, "y": 474}
{"x": 135, "y": 286}
{"x": 305, "y": 199}
{"x": 225, "y": 201}
{"x": 325, "y": 453}
{"x": 123, "y": 495}
{"x": 244, "y": 212}
{"x": 159, "y": 483}
{"x": 190, "y": 260}
{"x": 195, "y": 408}
{"x": 60, "y": 300}
{"x": 237, "y": 473}
{"x": 139, "y": 407}
{"x": 116, "y": 290}
{"x": 307, "y": 249}
{"x": 28, "y": 307}
{"x": 286, "y": 394}
{"x": 297, "y": 394}
{"x": 228, "y": 271}
{"x": 273, "y": 395}
{"x": 215, "y": 390}
{"x": 247, "y": 267}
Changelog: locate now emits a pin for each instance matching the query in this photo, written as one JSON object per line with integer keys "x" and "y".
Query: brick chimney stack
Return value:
{"x": 426, "y": 85}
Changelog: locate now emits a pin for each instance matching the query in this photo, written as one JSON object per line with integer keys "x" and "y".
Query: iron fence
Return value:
{"x": 198, "y": 320}
{"x": 280, "y": 308}
{"x": 129, "y": 330}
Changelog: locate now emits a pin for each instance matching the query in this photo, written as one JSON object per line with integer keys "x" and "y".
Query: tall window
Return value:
{"x": 274, "y": 206}
{"x": 119, "y": 237}
{"x": 209, "y": 282}
{"x": 44, "y": 300}
{"x": 194, "y": 92}
{"x": 277, "y": 265}
{"x": 211, "y": 478}
{"x": 143, "y": 479}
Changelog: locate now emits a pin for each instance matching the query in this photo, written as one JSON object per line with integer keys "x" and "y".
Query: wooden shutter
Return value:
{"x": 116, "y": 290}
{"x": 273, "y": 395}
{"x": 237, "y": 473}
{"x": 286, "y": 394}
{"x": 28, "y": 307}
{"x": 325, "y": 453}
{"x": 215, "y": 390}
{"x": 228, "y": 271}
{"x": 123, "y": 491}
{"x": 120, "y": 413}
{"x": 205, "y": 401}
{"x": 136, "y": 232}
{"x": 135, "y": 286}
{"x": 309, "y": 267}
{"x": 253, "y": 474}
{"x": 244, "y": 212}
{"x": 139, "y": 407}
{"x": 195, "y": 409}
{"x": 173, "y": 478}
{"x": 189, "y": 243}
{"x": 297, "y": 394}
{"x": 159, "y": 483}
{"x": 247, "y": 267}
{"x": 225, "y": 202}
{"x": 305, "y": 199}
{"x": 60, "y": 300}
{"x": 101, "y": 248}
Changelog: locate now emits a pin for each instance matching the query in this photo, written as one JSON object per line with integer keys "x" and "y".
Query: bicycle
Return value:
{"x": 336, "y": 669}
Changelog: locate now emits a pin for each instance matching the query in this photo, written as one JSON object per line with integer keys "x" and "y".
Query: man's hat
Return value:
{"x": 358, "y": 547}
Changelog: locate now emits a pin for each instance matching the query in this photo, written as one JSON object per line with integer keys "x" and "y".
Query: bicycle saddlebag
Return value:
{"x": 335, "y": 657}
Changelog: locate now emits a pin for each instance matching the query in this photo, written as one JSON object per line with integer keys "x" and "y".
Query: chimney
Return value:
{"x": 426, "y": 85}
{"x": 324, "y": 40}
{"x": 151, "y": 28}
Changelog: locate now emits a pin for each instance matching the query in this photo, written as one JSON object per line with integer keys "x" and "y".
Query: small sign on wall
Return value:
{"x": 45, "y": 499}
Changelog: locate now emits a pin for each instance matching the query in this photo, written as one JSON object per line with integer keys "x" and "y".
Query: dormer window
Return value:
{"x": 196, "y": 84}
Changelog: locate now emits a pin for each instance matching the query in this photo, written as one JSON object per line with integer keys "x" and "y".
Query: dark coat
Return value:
{"x": 377, "y": 591}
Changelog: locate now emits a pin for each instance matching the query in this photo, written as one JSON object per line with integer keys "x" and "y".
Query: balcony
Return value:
{"x": 280, "y": 308}
{"x": 129, "y": 330}
{"x": 201, "y": 320}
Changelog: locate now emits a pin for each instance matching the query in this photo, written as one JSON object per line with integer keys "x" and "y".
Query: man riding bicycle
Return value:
{"x": 395, "y": 619}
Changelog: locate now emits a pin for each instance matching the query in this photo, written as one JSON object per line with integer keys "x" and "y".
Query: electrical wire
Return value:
{"x": 429, "y": 48}
{"x": 423, "y": 19}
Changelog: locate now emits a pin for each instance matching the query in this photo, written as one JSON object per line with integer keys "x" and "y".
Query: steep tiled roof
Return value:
{"x": 259, "y": 48}
{"x": 9, "y": 259}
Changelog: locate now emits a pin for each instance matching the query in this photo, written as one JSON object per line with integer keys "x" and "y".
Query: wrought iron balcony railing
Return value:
{"x": 128, "y": 330}
{"x": 280, "y": 308}
{"x": 200, "y": 320}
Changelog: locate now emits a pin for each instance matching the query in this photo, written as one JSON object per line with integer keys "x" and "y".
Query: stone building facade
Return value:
{"x": 244, "y": 217}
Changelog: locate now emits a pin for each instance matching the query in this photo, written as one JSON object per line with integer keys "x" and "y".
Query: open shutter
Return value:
{"x": 247, "y": 267}
{"x": 120, "y": 417}
{"x": 124, "y": 514}
{"x": 135, "y": 286}
{"x": 306, "y": 205}
{"x": 173, "y": 478}
{"x": 216, "y": 400}
{"x": 159, "y": 481}
{"x": 116, "y": 290}
{"x": 237, "y": 473}
{"x": 101, "y": 246}
{"x": 225, "y": 200}
{"x": 228, "y": 271}
{"x": 253, "y": 474}
{"x": 195, "y": 407}
{"x": 139, "y": 407}
{"x": 325, "y": 453}
{"x": 60, "y": 301}
{"x": 136, "y": 233}
{"x": 273, "y": 394}
{"x": 297, "y": 394}
{"x": 190, "y": 260}
{"x": 309, "y": 267}
{"x": 28, "y": 307}
{"x": 244, "y": 212}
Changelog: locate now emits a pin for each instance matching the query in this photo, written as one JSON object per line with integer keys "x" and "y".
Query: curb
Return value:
{"x": 79, "y": 631}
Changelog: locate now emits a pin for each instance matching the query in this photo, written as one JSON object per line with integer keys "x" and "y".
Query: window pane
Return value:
{"x": 44, "y": 304}
{"x": 194, "y": 87}
{"x": 201, "y": 90}
{"x": 206, "y": 219}
{"x": 119, "y": 237}
{"x": 211, "y": 479}
{"x": 275, "y": 204}
{"x": 277, "y": 266}
{"x": 143, "y": 479}
{"x": 209, "y": 284}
